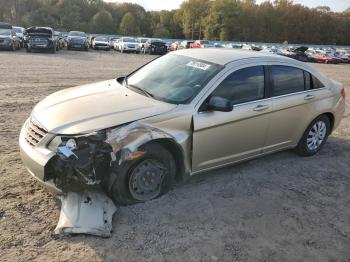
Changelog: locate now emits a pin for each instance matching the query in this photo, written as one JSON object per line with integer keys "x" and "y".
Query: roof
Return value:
{"x": 224, "y": 56}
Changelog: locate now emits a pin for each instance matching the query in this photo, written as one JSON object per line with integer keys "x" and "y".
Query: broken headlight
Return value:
{"x": 80, "y": 161}
{"x": 73, "y": 142}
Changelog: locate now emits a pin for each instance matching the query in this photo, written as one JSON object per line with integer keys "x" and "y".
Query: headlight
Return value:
{"x": 75, "y": 142}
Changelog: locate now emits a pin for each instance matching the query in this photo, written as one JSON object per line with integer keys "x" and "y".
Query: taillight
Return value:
{"x": 344, "y": 92}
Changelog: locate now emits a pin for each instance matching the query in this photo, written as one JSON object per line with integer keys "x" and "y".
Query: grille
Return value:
{"x": 34, "y": 133}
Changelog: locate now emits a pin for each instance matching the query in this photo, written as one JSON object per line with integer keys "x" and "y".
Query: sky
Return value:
{"x": 336, "y": 5}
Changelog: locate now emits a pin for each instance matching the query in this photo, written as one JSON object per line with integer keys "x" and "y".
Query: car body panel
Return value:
{"x": 70, "y": 111}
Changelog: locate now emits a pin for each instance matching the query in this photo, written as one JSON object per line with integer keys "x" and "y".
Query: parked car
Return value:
{"x": 185, "y": 44}
{"x": 90, "y": 40}
{"x": 174, "y": 46}
{"x": 9, "y": 40}
{"x": 127, "y": 44}
{"x": 201, "y": 44}
{"x": 343, "y": 57}
{"x": 41, "y": 38}
{"x": 112, "y": 40}
{"x": 60, "y": 40}
{"x": 5, "y": 25}
{"x": 77, "y": 40}
{"x": 135, "y": 135}
{"x": 141, "y": 42}
{"x": 320, "y": 57}
{"x": 299, "y": 53}
{"x": 20, "y": 33}
{"x": 155, "y": 46}
{"x": 101, "y": 43}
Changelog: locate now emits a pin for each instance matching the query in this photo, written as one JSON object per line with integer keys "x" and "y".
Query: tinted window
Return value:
{"x": 287, "y": 80}
{"x": 316, "y": 83}
{"x": 311, "y": 82}
{"x": 244, "y": 85}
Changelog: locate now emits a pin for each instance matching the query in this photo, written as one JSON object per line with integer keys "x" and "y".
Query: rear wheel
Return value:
{"x": 315, "y": 136}
{"x": 145, "y": 178}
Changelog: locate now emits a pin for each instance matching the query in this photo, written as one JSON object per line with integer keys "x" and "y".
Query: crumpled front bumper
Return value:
{"x": 36, "y": 157}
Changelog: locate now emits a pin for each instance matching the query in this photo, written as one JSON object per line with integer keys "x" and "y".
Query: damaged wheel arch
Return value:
{"x": 98, "y": 161}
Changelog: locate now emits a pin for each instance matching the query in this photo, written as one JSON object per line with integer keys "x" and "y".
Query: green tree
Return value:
{"x": 193, "y": 15}
{"x": 102, "y": 23}
{"x": 161, "y": 32}
{"x": 129, "y": 26}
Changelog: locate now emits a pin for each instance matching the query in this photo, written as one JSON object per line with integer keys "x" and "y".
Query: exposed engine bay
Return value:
{"x": 80, "y": 163}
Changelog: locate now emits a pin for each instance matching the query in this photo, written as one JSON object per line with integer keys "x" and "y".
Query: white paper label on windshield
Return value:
{"x": 198, "y": 65}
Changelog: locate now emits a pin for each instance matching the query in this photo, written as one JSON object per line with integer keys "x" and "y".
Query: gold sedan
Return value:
{"x": 182, "y": 114}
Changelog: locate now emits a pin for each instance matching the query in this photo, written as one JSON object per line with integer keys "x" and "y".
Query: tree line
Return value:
{"x": 226, "y": 20}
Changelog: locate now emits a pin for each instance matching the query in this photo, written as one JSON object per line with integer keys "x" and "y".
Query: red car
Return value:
{"x": 201, "y": 44}
{"x": 322, "y": 58}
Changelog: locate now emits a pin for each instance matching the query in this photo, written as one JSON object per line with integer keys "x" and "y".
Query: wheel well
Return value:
{"x": 331, "y": 119}
{"x": 177, "y": 153}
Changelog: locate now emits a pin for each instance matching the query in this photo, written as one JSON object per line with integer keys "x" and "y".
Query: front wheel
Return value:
{"x": 314, "y": 137}
{"x": 145, "y": 178}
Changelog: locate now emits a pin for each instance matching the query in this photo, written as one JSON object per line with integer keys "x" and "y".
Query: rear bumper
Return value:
{"x": 35, "y": 159}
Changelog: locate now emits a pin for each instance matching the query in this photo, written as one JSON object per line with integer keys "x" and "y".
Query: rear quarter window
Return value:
{"x": 312, "y": 82}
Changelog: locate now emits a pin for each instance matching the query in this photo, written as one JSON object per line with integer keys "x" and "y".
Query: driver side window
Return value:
{"x": 243, "y": 85}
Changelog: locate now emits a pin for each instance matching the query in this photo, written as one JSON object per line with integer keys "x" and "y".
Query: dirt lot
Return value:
{"x": 277, "y": 208}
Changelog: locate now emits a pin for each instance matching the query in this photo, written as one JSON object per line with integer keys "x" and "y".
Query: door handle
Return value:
{"x": 309, "y": 97}
{"x": 261, "y": 108}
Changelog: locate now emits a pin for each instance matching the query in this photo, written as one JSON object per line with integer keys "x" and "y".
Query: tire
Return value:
{"x": 13, "y": 47}
{"x": 53, "y": 50}
{"x": 157, "y": 166}
{"x": 315, "y": 143}
{"x": 28, "y": 50}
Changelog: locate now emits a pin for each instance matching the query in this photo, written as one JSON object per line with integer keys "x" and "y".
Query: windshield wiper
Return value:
{"x": 146, "y": 93}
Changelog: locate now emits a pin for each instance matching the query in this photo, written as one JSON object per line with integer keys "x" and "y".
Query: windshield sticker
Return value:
{"x": 198, "y": 65}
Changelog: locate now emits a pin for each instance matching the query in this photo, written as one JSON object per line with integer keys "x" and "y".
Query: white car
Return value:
{"x": 127, "y": 44}
{"x": 101, "y": 43}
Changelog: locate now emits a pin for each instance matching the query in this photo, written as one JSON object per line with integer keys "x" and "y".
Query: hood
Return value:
{"x": 39, "y": 30}
{"x": 88, "y": 108}
{"x": 5, "y": 36}
{"x": 302, "y": 49}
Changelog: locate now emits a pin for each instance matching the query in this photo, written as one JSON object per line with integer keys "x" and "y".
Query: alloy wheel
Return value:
{"x": 316, "y": 135}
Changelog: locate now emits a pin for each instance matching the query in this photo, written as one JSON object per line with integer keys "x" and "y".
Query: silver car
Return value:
{"x": 182, "y": 114}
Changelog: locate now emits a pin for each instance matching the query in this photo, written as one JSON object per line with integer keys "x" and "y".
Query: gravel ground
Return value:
{"x": 277, "y": 208}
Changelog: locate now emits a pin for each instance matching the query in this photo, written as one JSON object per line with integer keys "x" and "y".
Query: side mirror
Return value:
{"x": 217, "y": 103}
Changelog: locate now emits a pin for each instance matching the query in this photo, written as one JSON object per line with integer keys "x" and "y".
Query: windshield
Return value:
{"x": 205, "y": 42}
{"x": 173, "y": 78}
{"x": 5, "y": 32}
{"x": 81, "y": 34}
{"x": 130, "y": 40}
{"x": 18, "y": 30}
{"x": 101, "y": 38}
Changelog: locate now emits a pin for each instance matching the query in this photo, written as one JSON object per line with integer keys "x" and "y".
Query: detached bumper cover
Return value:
{"x": 86, "y": 213}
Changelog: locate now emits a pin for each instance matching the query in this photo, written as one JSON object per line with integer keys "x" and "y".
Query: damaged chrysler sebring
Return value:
{"x": 182, "y": 114}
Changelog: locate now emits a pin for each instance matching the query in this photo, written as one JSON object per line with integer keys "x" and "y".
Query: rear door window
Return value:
{"x": 287, "y": 80}
{"x": 243, "y": 85}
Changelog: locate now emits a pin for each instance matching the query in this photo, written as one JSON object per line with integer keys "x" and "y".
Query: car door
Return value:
{"x": 220, "y": 138}
{"x": 293, "y": 96}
